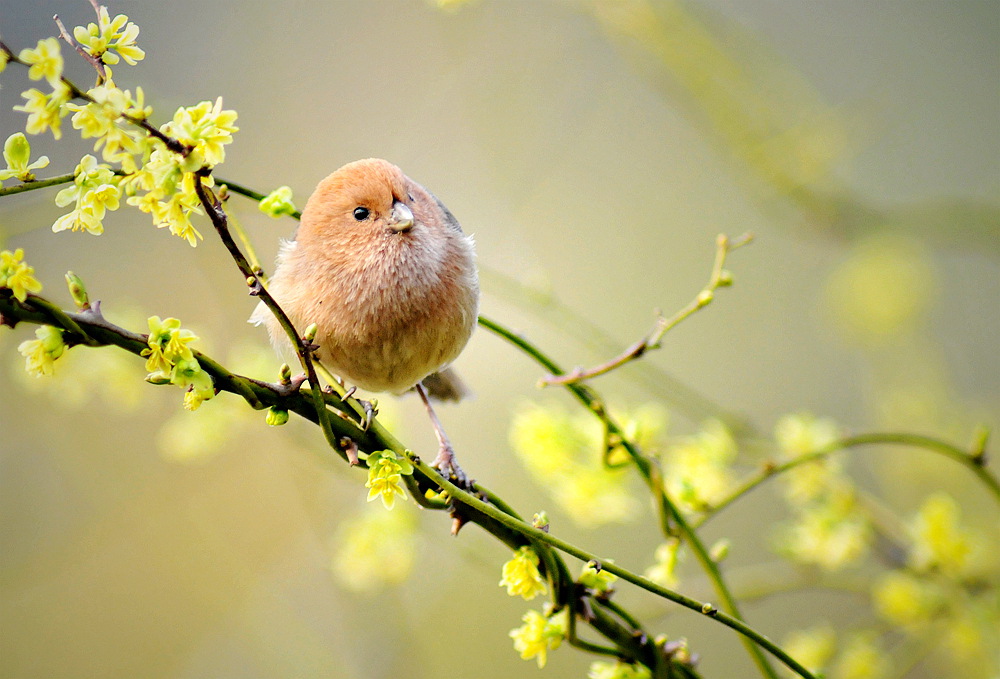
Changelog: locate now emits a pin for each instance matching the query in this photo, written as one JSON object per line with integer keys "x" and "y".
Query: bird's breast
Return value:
{"x": 387, "y": 319}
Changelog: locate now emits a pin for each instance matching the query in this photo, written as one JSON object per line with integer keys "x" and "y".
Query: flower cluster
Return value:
{"x": 171, "y": 361}
{"x": 102, "y": 119}
{"x": 40, "y": 354}
{"x": 520, "y": 575}
{"x": 385, "y": 477}
{"x": 16, "y": 275}
{"x": 204, "y": 128}
{"x": 110, "y": 39}
{"x": 801, "y": 434}
{"x": 168, "y": 178}
{"x": 833, "y": 532}
{"x": 157, "y": 177}
{"x": 540, "y": 634}
{"x": 829, "y": 529}
{"x": 17, "y": 153}
{"x": 563, "y": 453}
{"x": 94, "y": 191}
{"x": 935, "y": 596}
{"x": 697, "y": 469}
{"x": 45, "y": 111}
{"x": 44, "y": 60}
{"x": 858, "y": 656}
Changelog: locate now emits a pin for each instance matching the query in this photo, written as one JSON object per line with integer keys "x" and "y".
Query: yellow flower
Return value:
{"x": 882, "y": 288}
{"x": 385, "y": 477}
{"x": 109, "y": 38}
{"x": 662, "y": 572}
{"x": 563, "y": 453}
{"x": 803, "y": 433}
{"x": 697, "y": 468}
{"x": 167, "y": 345}
{"x": 45, "y": 59}
{"x": 904, "y": 599}
{"x": 861, "y": 659}
{"x": 188, "y": 375}
{"x": 94, "y": 191}
{"x": 16, "y": 275}
{"x": 40, "y": 354}
{"x": 539, "y": 635}
{"x": 45, "y": 110}
{"x": 100, "y": 119}
{"x": 645, "y": 426}
{"x": 206, "y": 128}
{"x": 520, "y": 575}
{"x": 17, "y": 153}
{"x": 374, "y": 549}
{"x": 938, "y": 540}
{"x": 813, "y": 647}
{"x": 165, "y": 179}
{"x": 831, "y": 534}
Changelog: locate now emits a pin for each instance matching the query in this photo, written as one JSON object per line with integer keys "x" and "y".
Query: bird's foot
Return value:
{"x": 446, "y": 463}
{"x": 371, "y": 410}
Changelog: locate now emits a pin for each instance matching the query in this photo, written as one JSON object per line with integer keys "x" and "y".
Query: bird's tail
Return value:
{"x": 446, "y": 386}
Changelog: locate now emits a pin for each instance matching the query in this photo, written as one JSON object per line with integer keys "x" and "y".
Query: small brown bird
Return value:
{"x": 385, "y": 272}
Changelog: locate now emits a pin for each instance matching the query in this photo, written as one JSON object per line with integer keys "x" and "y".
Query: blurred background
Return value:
{"x": 595, "y": 150}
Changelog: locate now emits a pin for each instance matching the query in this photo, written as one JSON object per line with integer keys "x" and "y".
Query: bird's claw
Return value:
{"x": 370, "y": 412}
{"x": 446, "y": 463}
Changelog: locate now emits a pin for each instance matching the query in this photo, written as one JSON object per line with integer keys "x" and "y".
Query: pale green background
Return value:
{"x": 577, "y": 165}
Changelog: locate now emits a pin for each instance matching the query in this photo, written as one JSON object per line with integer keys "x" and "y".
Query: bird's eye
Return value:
{"x": 361, "y": 213}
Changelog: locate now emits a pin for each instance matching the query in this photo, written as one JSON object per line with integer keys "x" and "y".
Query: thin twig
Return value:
{"x": 972, "y": 460}
{"x": 94, "y": 61}
{"x": 550, "y": 310}
{"x": 719, "y": 278}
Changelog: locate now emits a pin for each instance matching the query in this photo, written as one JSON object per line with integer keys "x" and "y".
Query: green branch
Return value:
{"x": 639, "y": 581}
{"x": 89, "y": 327}
{"x": 251, "y": 194}
{"x": 37, "y": 184}
{"x": 975, "y": 461}
{"x": 669, "y": 514}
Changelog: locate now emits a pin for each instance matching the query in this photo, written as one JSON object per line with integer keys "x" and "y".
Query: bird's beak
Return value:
{"x": 401, "y": 219}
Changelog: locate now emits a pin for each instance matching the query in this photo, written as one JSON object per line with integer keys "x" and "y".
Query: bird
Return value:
{"x": 385, "y": 272}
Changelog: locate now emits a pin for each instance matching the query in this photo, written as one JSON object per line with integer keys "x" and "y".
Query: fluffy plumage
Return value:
{"x": 385, "y": 272}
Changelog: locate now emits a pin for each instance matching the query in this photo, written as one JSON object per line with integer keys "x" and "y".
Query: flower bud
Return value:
{"x": 77, "y": 290}
{"x": 276, "y": 416}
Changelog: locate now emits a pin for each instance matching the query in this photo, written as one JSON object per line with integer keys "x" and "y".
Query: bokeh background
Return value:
{"x": 595, "y": 150}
